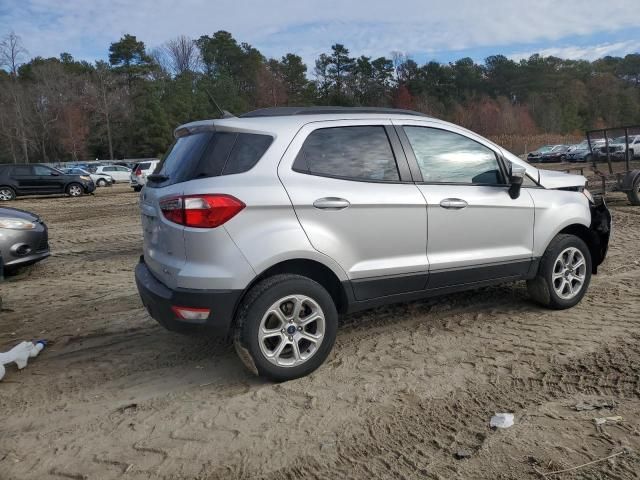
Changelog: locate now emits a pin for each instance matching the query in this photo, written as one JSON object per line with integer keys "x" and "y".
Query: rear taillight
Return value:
{"x": 138, "y": 172}
{"x": 201, "y": 211}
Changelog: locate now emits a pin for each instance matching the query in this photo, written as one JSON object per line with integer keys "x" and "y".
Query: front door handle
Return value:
{"x": 331, "y": 203}
{"x": 453, "y": 203}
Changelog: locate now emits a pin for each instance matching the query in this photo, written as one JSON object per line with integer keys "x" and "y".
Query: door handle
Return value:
{"x": 453, "y": 203}
{"x": 331, "y": 203}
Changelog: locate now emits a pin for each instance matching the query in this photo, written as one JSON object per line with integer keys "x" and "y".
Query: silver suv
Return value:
{"x": 268, "y": 226}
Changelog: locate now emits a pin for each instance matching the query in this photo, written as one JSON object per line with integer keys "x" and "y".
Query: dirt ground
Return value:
{"x": 407, "y": 387}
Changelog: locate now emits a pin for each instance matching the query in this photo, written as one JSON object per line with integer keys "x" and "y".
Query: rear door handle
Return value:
{"x": 331, "y": 203}
{"x": 453, "y": 203}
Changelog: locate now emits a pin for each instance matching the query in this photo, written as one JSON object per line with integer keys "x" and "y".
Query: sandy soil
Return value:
{"x": 116, "y": 396}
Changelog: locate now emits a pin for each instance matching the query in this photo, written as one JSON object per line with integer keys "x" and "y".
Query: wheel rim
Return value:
{"x": 569, "y": 273}
{"x": 291, "y": 331}
{"x": 6, "y": 194}
{"x": 75, "y": 191}
{"x": 102, "y": 183}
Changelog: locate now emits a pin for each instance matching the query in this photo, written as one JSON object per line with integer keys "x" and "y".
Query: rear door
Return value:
{"x": 477, "y": 232}
{"x": 352, "y": 192}
{"x": 25, "y": 179}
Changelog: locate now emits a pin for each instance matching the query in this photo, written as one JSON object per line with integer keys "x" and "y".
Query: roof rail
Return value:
{"x": 285, "y": 111}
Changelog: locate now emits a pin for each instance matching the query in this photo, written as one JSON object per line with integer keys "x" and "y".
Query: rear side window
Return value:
{"x": 353, "y": 153}
{"x": 22, "y": 171}
{"x": 211, "y": 154}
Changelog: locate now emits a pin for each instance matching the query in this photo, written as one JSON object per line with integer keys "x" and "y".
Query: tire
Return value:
{"x": 634, "y": 194}
{"x": 74, "y": 190}
{"x": 284, "y": 293}
{"x": 101, "y": 182}
{"x": 137, "y": 188}
{"x": 7, "y": 194}
{"x": 556, "y": 286}
{"x": 588, "y": 158}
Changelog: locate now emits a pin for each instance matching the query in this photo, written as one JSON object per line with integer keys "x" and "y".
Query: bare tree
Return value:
{"x": 182, "y": 55}
{"x": 12, "y": 53}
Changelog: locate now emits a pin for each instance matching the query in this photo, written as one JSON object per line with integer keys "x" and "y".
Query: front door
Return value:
{"x": 355, "y": 201}
{"x": 50, "y": 180}
{"x": 476, "y": 231}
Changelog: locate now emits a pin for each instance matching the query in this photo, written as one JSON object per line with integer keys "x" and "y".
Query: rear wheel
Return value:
{"x": 7, "y": 194}
{"x": 634, "y": 193}
{"x": 75, "y": 190}
{"x": 286, "y": 327}
{"x": 137, "y": 188}
{"x": 564, "y": 273}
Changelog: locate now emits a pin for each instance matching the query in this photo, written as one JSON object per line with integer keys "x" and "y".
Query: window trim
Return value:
{"x": 401, "y": 161}
{"x": 415, "y": 166}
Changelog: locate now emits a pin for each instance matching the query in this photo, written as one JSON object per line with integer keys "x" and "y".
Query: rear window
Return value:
{"x": 143, "y": 166}
{"x": 212, "y": 154}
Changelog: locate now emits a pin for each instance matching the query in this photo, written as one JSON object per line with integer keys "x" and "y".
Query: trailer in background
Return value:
{"x": 622, "y": 144}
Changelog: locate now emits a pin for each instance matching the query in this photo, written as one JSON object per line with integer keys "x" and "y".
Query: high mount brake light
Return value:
{"x": 201, "y": 211}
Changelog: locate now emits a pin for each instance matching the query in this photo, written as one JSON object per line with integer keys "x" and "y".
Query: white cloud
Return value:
{"x": 588, "y": 52}
{"x": 371, "y": 27}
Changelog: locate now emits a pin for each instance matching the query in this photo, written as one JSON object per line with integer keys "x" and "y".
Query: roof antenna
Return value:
{"x": 224, "y": 113}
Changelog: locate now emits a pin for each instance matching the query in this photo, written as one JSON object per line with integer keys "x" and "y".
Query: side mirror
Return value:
{"x": 516, "y": 177}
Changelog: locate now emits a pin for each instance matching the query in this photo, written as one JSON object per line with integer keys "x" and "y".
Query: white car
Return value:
{"x": 117, "y": 172}
{"x": 100, "y": 179}
{"x": 140, "y": 172}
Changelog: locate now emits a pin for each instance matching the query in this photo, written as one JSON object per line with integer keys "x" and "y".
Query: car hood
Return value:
{"x": 16, "y": 213}
{"x": 552, "y": 179}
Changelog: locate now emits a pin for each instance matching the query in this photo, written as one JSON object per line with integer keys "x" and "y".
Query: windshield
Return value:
{"x": 545, "y": 148}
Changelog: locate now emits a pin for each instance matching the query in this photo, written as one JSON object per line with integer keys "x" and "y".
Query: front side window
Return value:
{"x": 40, "y": 170}
{"x": 355, "y": 153}
{"x": 447, "y": 157}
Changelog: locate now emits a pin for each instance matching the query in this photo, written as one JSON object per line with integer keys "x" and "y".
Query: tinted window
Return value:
{"x": 144, "y": 165}
{"x": 40, "y": 170}
{"x": 359, "y": 153}
{"x": 211, "y": 154}
{"x": 446, "y": 157}
{"x": 22, "y": 170}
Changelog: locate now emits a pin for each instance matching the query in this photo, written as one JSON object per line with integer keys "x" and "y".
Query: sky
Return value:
{"x": 442, "y": 30}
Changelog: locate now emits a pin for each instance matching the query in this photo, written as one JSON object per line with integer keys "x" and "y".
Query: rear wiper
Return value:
{"x": 157, "y": 177}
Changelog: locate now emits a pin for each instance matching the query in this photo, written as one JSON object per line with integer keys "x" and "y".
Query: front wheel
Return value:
{"x": 75, "y": 190}
{"x": 286, "y": 327}
{"x": 564, "y": 273}
{"x": 101, "y": 182}
{"x": 137, "y": 188}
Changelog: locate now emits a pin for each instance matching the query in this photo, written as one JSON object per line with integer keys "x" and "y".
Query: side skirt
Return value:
{"x": 438, "y": 283}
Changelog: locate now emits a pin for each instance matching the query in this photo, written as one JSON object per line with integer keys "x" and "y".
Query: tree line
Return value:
{"x": 60, "y": 109}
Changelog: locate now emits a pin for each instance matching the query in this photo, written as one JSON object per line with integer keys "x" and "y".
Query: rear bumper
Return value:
{"x": 158, "y": 300}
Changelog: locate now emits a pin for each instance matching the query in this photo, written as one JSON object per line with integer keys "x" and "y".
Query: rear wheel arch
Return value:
{"x": 312, "y": 269}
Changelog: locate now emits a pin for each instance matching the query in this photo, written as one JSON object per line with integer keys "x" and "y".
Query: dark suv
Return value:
{"x": 35, "y": 179}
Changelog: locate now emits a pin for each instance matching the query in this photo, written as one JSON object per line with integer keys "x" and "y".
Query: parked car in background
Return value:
{"x": 35, "y": 179}
{"x": 140, "y": 173}
{"x": 23, "y": 239}
{"x": 100, "y": 179}
{"x": 618, "y": 147}
{"x": 557, "y": 154}
{"x": 536, "y": 155}
{"x": 267, "y": 226}
{"x": 117, "y": 172}
{"x": 583, "y": 154}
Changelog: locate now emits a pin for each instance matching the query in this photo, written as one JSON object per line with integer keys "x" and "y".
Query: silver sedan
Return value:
{"x": 23, "y": 239}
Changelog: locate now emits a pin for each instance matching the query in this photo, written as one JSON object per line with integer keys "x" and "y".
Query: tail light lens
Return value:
{"x": 138, "y": 172}
{"x": 201, "y": 211}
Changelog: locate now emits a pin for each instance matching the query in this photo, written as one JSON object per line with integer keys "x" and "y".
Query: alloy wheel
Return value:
{"x": 6, "y": 194}
{"x": 291, "y": 330}
{"x": 569, "y": 273}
